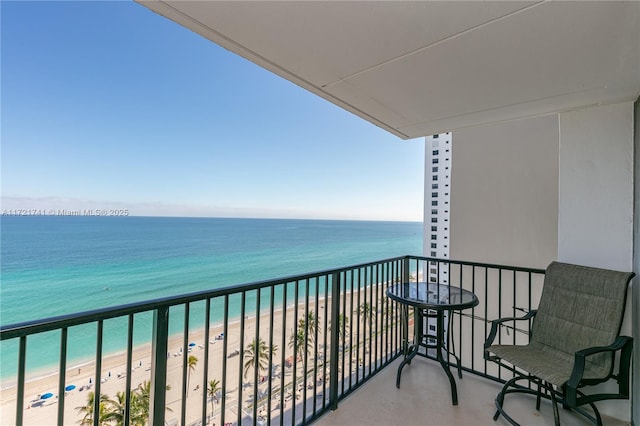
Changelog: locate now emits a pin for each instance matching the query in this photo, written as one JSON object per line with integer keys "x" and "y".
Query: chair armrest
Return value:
{"x": 495, "y": 323}
{"x": 623, "y": 343}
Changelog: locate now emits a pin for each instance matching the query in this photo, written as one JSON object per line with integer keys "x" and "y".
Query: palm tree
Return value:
{"x": 140, "y": 399}
{"x": 140, "y": 403}
{"x": 212, "y": 390}
{"x": 192, "y": 361}
{"x": 87, "y": 410}
{"x": 309, "y": 324}
{"x": 343, "y": 328}
{"x": 300, "y": 342}
{"x": 257, "y": 354}
{"x": 312, "y": 324}
{"x": 366, "y": 312}
{"x": 116, "y": 409}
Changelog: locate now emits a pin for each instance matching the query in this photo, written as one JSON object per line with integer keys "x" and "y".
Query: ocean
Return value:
{"x": 54, "y": 265}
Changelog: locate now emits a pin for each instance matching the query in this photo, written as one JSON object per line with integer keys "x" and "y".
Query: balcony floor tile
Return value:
{"x": 424, "y": 398}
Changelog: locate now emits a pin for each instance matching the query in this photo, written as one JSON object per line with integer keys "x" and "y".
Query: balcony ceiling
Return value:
{"x": 420, "y": 68}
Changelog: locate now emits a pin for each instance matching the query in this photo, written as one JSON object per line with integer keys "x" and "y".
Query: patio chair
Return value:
{"x": 573, "y": 343}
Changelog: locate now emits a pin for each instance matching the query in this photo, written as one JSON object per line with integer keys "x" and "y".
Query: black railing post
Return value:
{"x": 22, "y": 360}
{"x": 63, "y": 374}
{"x": 406, "y": 265}
{"x": 159, "y": 348}
{"x": 335, "y": 331}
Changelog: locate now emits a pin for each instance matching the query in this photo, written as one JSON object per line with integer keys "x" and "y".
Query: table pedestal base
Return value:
{"x": 420, "y": 339}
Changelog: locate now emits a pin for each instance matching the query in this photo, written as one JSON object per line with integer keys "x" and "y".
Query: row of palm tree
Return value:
{"x": 112, "y": 411}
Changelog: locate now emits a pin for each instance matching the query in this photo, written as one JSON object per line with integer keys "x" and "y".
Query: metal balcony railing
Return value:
{"x": 279, "y": 352}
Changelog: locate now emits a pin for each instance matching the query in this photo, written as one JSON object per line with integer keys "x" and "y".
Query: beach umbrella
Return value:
{"x": 46, "y": 395}
{"x": 192, "y": 344}
{"x": 90, "y": 380}
{"x": 70, "y": 388}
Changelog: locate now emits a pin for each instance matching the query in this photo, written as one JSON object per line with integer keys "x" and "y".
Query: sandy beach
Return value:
{"x": 41, "y": 412}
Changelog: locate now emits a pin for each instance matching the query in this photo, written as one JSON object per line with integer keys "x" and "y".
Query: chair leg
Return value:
{"x": 554, "y": 402}
{"x": 539, "y": 396}
{"x": 500, "y": 402}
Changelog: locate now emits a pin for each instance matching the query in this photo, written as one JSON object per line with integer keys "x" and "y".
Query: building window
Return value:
{"x": 434, "y": 186}
{"x": 433, "y": 254}
{"x": 434, "y": 245}
{"x": 435, "y": 177}
{"x": 435, "y": 161}
{"x": 436, "y": 136}
{"x": 432, "y": 279}
{"x": 434, "y": 203}
{"x": 434, "y": 211}
{"x": 434, "y": 229}
{"x": 434, "y": 194}
{"x": 434, "y": 220}
{"x": 434, "y": 237}
{"x": 434, "y": 169}
{"x": 435, "y": 152}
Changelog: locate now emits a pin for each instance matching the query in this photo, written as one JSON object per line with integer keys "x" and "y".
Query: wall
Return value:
{"x": 595, "y": 220}
{"x": 504, "y": 193}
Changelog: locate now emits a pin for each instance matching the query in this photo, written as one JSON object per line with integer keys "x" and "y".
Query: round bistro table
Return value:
{"x": 430, "y": 300}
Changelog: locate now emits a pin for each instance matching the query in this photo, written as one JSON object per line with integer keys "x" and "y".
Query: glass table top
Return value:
{"x": 432, "y": 296}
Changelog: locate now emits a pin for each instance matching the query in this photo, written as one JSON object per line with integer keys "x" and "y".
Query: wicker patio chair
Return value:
{"x": 574, "y": 340}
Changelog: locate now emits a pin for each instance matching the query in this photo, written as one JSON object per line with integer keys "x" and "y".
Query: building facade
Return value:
{"x": 437, "y": 203}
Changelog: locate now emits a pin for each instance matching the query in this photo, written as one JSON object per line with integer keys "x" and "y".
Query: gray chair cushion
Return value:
{"x": 545, "y": 363}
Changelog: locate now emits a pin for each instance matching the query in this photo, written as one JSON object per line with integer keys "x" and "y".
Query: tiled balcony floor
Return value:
{"x": 424, "y": 398}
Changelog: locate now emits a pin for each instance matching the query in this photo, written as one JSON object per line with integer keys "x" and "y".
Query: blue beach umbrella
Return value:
{"x": 192, "y": 344}
{"x": 46, "y": 395}
{"x": 70, "y": 388}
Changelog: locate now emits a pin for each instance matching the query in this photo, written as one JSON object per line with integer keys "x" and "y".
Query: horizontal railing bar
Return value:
{"x": 477, "y": 264}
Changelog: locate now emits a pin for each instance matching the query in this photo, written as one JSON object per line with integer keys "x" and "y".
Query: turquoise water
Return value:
{"x": 59, "y": 265}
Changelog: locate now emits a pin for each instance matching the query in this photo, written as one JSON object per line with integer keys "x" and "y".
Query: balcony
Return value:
{"x": 335, "y": 338}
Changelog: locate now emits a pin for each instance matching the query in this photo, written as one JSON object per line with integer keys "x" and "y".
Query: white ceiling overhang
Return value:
{"x": 420, "y": 68}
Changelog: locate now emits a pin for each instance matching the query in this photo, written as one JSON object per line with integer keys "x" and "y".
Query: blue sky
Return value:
{"x": 106, "y": 105}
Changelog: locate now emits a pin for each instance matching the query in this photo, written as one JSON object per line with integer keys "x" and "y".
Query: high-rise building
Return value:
{"x": 436, "y": 207}
{"x": 436, "y": 212}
